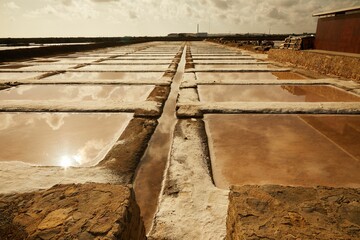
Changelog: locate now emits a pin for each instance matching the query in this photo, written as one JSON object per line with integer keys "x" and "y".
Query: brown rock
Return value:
{"x": 67, "y": 211}
{"x": 86, "y": 236}
{"x": 55, "y": 218}
{"x": 101, "y": 226}
{"x": 278, "y": 212}
{"x": 48, "y": 234}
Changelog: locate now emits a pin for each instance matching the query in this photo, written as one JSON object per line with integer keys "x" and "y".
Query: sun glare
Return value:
{"x": 65, "y": 161}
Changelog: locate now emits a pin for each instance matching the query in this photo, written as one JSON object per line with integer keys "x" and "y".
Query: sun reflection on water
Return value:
{"x": 67, "y": 161}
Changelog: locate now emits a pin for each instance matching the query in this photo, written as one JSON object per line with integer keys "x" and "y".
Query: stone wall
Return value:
{"x": 74, "y": 211}
{"x": 279, "y": 212}
{"x": 342, "y": 66}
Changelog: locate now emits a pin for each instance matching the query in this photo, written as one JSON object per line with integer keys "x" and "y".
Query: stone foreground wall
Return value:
{"x": 279, "y": 212}
{"x": 342, "y": 66}
{"x": 74, "y": 211}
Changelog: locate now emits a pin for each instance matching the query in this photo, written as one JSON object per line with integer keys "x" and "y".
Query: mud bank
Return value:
{"x": 342, "y": 66}
{"x": 72, "y": 211}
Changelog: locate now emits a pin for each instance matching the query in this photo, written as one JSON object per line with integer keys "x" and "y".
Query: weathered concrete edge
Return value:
{"x": 345, "y": 85}
{"x": 124, "y": 157}
{"x": 190, "y": 206}
{"x": 87, "y": 82}
{"x": 71, "y": 106}
{"x": 195, "y": 109}
{"x": 79, "y": 70}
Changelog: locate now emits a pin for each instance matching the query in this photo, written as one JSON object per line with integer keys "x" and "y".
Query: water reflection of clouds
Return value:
{"x": 24, "y": 88}
{"x": 10, "y": 76}
{"x": 54, "y": 121}
{"x": 279, "y": 149}
{"x": 59, "y": 138}
{"x": 107, "y": 75}
{"x": 234, "y": 76}
{"x": 125, "y": 67}
{"x": 127, "y": 93}
{"x": 91, "y": 152}
{"x": 220, "y": 67}
{"x": 252, "y": 93}
{"x": 6, "y": 121}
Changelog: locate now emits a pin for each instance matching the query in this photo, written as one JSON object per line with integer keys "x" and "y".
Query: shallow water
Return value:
{"x": 135, "y": 76}
{"x": 231, "y": 62}
{"x": 152, "y": 166}
{"x": 288, "y": 75}
{"x": 234, "y": 76}
{"x": 120, "y": 67}
{"x": 211, "y": 57}
{"x": 47, "y": 67}
{"x": 59, "y": 139}
{"x": 13, "y": 76}
{"x": 231, "y": 67}
{"x": 148, "y": 57}
{"x": 274, "y": 93}
{"x": 306, "y": 150}
{"x": 126, "y": 93}
{"x": 138, "y": 62}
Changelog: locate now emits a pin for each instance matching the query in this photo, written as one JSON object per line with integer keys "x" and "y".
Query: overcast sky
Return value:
{"x": 64, "y": 18}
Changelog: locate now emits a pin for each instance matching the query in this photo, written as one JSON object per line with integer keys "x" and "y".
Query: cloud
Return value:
{"x": 67, "y": 2}
{"x": 132, "y": 15}
{"x": 159, "y": 17}
{"x": 104, "y": 1}
{"x": 221, "y": 4}
{"x": 66, "y": 10}
{"x": 276, "y": 14}
{"x": 11, "y": 5}
{"x": 287, "y": 3}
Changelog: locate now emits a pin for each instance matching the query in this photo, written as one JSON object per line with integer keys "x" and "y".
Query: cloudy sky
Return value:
{"x": 64, "y": 18}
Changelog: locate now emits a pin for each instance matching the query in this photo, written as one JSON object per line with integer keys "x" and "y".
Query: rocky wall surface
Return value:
{"x": 74, "y": 211}
{"x": 342, "y": 66}
{"x": 280, "y": 212}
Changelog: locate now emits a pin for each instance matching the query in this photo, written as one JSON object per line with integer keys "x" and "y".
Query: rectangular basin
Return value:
{"x": 214, "y": 76}
{"x": 129, "y": 76}
{"x": 124, "y": 93}
{"x": 61, "y": 139}
{"x": 13, "y": 76}
{"x": 120, "y": 67}
{"x": 299, "y": 150}
{"x": 274, "y": 93}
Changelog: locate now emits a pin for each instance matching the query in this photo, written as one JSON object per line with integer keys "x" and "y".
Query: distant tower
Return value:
{"x": 197, "y": 28}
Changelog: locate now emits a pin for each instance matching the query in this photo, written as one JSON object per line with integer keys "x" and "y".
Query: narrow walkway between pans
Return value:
{"x": 150, "y": 173}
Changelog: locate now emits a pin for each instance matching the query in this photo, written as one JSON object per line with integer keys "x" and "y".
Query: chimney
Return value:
{"x": 197, "y": 28}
